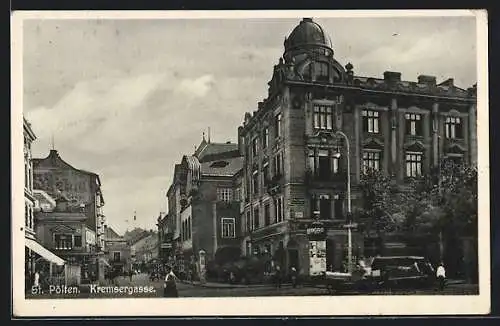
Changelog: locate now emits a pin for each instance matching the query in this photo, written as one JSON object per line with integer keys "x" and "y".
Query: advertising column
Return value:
{"x": 316, "y": 234}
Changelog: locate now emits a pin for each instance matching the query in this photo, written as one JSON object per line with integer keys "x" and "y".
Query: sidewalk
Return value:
{"x": 218, "y": 285}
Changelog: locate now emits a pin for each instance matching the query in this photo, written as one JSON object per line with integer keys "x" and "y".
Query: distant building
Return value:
{"x": 204, "y": 207}
{"x": 117, "y": 250}
{"x": 295, "y": 163}
{"x": 144, "y": 250}
{"x": 79, "y": 197}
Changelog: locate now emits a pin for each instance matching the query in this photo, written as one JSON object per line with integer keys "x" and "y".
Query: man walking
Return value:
{"x": 441, "y": 276}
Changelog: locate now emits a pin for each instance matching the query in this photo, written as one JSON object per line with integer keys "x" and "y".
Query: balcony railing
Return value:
{"x": 311, "y": 177}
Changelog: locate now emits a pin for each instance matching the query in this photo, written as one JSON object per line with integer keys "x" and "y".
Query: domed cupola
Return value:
{"x": 308, "y": 35}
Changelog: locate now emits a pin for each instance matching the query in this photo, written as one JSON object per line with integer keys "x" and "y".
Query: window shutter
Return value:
{"x": 407, "y": 126}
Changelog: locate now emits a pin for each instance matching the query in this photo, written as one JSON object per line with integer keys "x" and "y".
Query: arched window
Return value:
{"x": 321, "y": 71}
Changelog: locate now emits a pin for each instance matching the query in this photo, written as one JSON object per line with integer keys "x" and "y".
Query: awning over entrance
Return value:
{"x": 44, "y": 252}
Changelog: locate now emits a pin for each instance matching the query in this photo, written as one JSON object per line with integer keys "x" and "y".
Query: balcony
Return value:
{"x": 327, "y": 180}
{"x": 274, "y": 185}
{"x": 269, "y": 231}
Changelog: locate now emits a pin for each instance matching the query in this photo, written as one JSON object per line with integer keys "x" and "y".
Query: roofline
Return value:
{"x": 29, "y": 129}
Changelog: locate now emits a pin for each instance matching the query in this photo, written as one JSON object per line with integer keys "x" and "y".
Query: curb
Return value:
{"x": 228, "y": 286}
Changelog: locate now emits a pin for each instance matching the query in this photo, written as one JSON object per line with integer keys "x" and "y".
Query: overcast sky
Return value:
{"x": 127, "y": 98}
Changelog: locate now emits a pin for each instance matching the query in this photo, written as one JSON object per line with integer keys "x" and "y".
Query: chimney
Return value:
{"x": 448, "y": 82}
{"x": 425, "y": 79}
{"x": 392, "y": 76}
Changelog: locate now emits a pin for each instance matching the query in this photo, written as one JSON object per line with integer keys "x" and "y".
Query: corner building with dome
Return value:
{"x": 295, "y": 163}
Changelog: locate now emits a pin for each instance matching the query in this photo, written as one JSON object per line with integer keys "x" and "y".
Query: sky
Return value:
{"x": 127, "y": 98}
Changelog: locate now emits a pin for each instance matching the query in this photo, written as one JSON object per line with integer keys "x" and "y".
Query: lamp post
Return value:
{"x": 349, "y": 224}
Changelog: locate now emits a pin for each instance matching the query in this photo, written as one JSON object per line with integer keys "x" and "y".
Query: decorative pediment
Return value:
{"x": 456, "y": 148}
{"x": 61, "y": 228}
{"x": 374, "y": 143}
{"x": 415, "y": 146}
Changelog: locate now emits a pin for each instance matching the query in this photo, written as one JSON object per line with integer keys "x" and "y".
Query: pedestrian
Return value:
{"x": 170, "y": 285}
{"x": 130, "y": 274}
{"x": 293, "y": 274}
{"x": 441, "y": 276}
{"x": 36, "y": 279}
{"x": 277, "y": 276}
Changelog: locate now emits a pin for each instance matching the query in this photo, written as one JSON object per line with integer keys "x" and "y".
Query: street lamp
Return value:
{"x": 350, "y": 224}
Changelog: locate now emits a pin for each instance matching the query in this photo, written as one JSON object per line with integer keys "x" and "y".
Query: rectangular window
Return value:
{"x": 324, "y": 165}
{"x": 224, "y": 194}
{"x": 255, "y": 147}
{"x": 325, "y": 208}
{"x": 78, "y": 240}
{"x": 249, "y": 221}
{"x": 256, "y": 218}
{"x": 278, "y": 164}
{"x": 338, "y": 209}
{"x": 370, "y": 121}
{"x": 63, "y": 241}
{"x": 116, "y": 256}
{"x": 267, "y": 215}
{"x": 265, "y": 138}
{"x": 255, "y": 182}
{"x": 371, "y": 160}
{"x": 279, "y": 209}
{"x": 323, "y": 117}
{"x": 228, "y": 228}
{"x": 413, "y": 164}
{"x": 413, "y": 124}
{"x": 453, "y": 128}
{"x": 265, "y": 171}
{"x": 277, "y": 125}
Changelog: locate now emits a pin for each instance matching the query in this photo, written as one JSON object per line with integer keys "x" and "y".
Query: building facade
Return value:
{"x": 295, "y": 158}
{"x": 79, "y": 192}
{"x": 203, "y": 208}
{"x": 145, "y": 250}
{"x": 117, "y": 252}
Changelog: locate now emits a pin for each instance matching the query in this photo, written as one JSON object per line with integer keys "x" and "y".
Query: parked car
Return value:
{"x": 400, "y": 271}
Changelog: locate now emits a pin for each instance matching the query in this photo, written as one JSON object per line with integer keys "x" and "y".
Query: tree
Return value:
{"x": 383, "y": 208}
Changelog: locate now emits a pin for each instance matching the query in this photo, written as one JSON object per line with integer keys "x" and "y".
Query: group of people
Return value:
{"x": 279, "y": 276}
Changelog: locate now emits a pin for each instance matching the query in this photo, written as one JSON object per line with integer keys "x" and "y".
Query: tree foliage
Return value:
{"x": 444, "y": 200}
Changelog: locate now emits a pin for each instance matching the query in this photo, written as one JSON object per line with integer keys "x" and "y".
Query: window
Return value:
{"x": 255, "y": 182}
{"x": 78, "y": 240}
{"x": 453, "y": 128}
{"x": 256, "y": 218}
{"x": 228, "y": 228}
{"x": 279, "y": 209}
{"x": 371, "y": 160}
{"x": 224, "y": 194}
{"x": 323, "y": 117}
{"x": 413, "y": 124}
{"x": 116, "y": 256}
{"x": 267, "y": 215}
{"x": 324, "y": 165}
{"x": 321, "y": 70}
{"x": 26, "y": 216}
{"x": 277, "y": 125}
{"x": 265, "y": 171}
{"x": 370, "y": 121}
{"x": 255, "y": 147}
{"x": 63, "y": 241}
{"x": 237, "y": 194}
{"x": 338, "y": 209}
{"x": 278, "y": 164}
{"x": 265, "y": 138}
{"x": 249, "y": 222}
{"x": 413, "y": 164}
{"x": 325, "y": 207}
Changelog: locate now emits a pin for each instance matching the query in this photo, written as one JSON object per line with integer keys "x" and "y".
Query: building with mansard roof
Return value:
{"x": 203, "y": 207}
{"x": 296, "y": 161}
